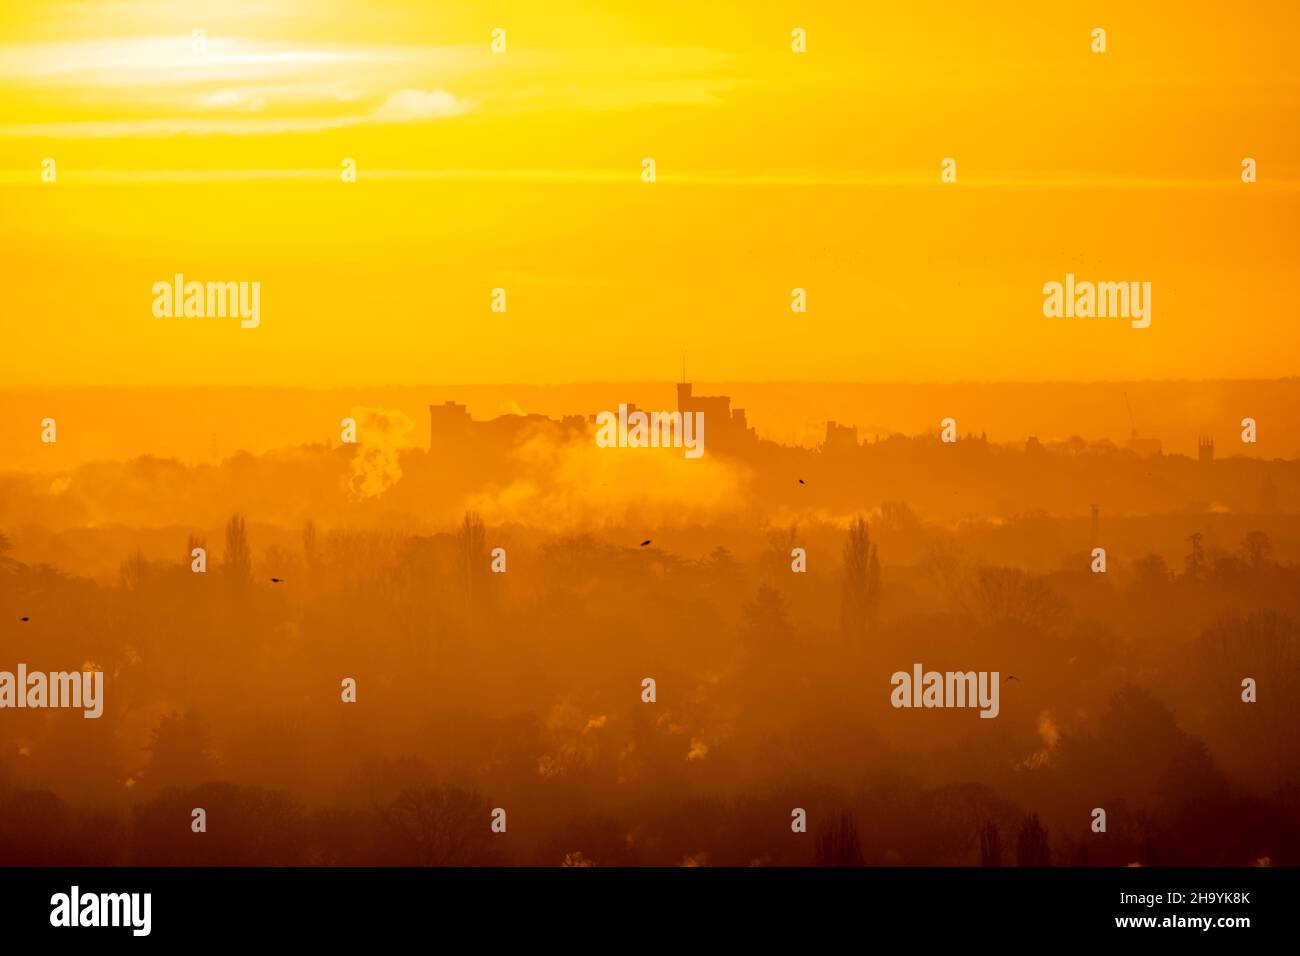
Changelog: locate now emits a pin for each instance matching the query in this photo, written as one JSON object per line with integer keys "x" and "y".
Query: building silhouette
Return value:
{"x": 448, "y": 422}
{"x": 840, "y": 437}
{"x": 1143, "y": 447}
{"x": 724, "y": 426}
{"x": 452, "y": 427}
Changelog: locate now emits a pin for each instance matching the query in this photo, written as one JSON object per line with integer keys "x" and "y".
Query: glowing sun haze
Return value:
{"x": 218, "y": 155}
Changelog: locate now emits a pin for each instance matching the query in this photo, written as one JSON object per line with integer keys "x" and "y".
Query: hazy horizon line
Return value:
{"x": 822, "y": 383}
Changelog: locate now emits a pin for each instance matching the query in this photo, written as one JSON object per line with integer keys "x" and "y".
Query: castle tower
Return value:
{"x": 449, "y": 423}
{"x": 1205, "y": 450}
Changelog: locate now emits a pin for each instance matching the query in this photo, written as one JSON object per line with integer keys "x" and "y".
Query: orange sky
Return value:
{"x": 521, "y": 170}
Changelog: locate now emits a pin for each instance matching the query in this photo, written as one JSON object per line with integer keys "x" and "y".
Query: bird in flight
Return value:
{"x": 275, "y": 580}
{"x": 645, "y": 542}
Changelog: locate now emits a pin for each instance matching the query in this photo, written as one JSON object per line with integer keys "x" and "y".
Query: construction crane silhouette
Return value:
{"x": 1133, "y": 433}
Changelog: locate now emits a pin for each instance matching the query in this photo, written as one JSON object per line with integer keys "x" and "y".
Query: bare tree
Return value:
{"x": 135, "y": 571}
{"x": 1032, "y": 848}
{"x": 1195, "y": 560}
{"x": 776, "y": 560}
{"x": 990, "y": 845}
{"x": 194, "y": 541}
{"x": 471, "y": 556}
{"x": 838, "y": 843}
{"x": 1257, "y": 548}
{"x": 861, "y": 584}
{"x": 237, "y": 563}
{"x": 440, "y": 826}
{"x": 310, "y": 546}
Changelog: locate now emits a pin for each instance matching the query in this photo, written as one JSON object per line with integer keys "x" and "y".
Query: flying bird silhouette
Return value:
{"x": 275, "y": 580}
{"x": 645, "y": 542}
{"x": 1012, "y": 677}
{"x": 801, "y": 481}
{"x": 24, "y": 619}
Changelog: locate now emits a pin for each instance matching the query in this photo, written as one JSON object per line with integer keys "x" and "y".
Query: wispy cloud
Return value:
{"x": 407, "y": 105}
{"x": 173, "y": 85}
{"x": 810, "y": 179}
{"x": 224, "y": 86}
{"x": 170, "y": 60}
{"x": 403, "y": 106}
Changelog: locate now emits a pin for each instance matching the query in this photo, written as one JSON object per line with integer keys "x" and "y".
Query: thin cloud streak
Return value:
{"x": 611, "y": 176}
